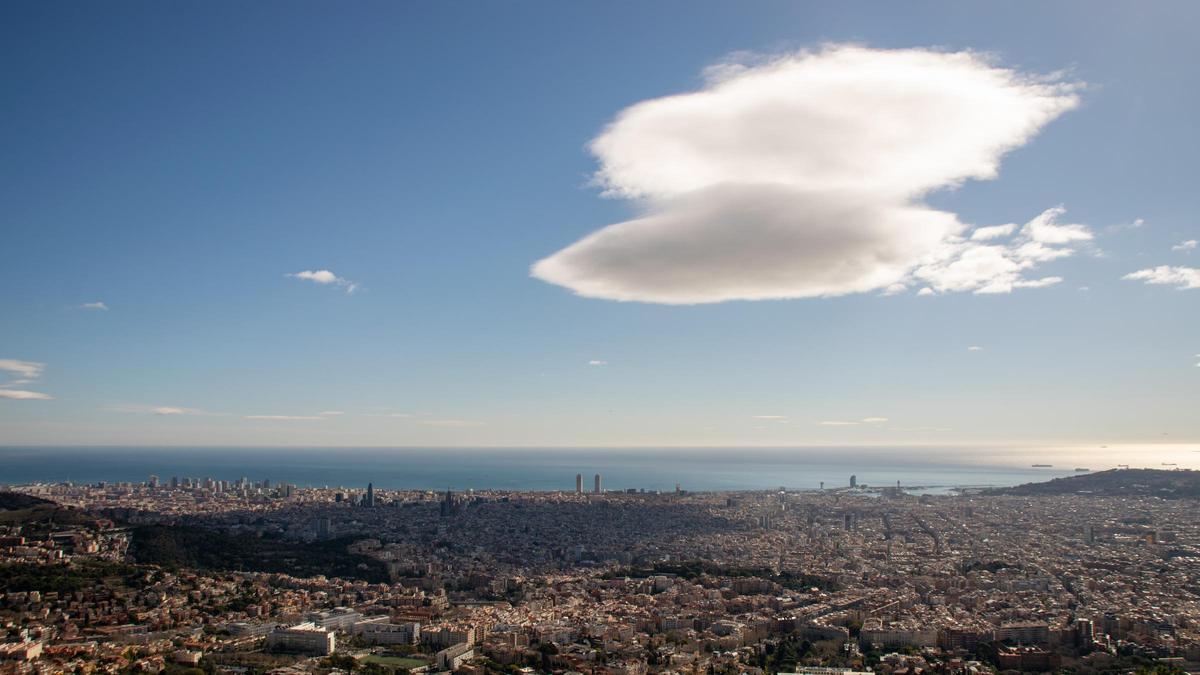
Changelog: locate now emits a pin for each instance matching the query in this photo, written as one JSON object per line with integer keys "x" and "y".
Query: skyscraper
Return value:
{"x": 370, "y": 495}
{"x": 596, "y": 489}
{"x": 578, "y": 483}
{"x": 853, "y": 481}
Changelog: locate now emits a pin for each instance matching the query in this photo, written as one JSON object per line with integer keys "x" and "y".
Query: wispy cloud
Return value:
{"x": 974, "y": 348}
{"x": 758, "y": 186}
{"x": 769, "y": 417}
{"x": 1135, "y": 224}
{"x": 853, "y": 423}
{"x": 597, "y": 362}
{"x": 22, "y": 395}
{"x": 162, "y": 410}
{"x": 26, "y": 372}
{"x": 172, "y": 410}
{"x": 326, "y": 278}
{"x": 993, "y": 232}
{"x": 286, "y": 418}
{"x": 330, "y": 413}
{"x": 26, "y": 369}
{"x": 965, "y": 265}
{"x": 1166, "y": 275}
{"x": 94, "y": 306}
{"x": 452, "y": 423}
{"x": 1186, "y": 246}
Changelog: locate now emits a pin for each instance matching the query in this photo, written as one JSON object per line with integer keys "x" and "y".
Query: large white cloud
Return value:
{"x": 801, "y": 176}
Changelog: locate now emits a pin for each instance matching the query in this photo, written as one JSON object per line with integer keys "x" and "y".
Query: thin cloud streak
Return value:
{"x": 23, "y": 395}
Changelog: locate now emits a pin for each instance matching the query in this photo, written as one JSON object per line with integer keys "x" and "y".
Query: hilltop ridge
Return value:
{"x": 1167, "y": 484}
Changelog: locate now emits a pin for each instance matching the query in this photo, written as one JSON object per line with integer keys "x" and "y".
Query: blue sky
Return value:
{"x": 177, "y": 162}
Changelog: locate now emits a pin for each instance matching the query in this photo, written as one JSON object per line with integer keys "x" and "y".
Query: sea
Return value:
{"x": 923, "y": 470}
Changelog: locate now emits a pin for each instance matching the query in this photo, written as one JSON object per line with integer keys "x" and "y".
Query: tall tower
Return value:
{"x": 370, "y": 494}
{"x": 853, "y": 481}
{"x": 597, "y": 489}
{"x": 578, "y": 483}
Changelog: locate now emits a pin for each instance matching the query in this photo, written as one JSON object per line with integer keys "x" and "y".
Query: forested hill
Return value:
{"x": 39, "y": 516}
{"x": 1178, "y": 484}
{"x": 11, "y": 501}
{"x": 176, "y": 547}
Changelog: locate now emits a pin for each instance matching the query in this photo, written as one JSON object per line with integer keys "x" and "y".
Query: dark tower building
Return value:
{"x": 597, "y": 487}
{"x": 853, "y": 481}
{"x": 578, "y": 483}
{"x": 370, "y": 501}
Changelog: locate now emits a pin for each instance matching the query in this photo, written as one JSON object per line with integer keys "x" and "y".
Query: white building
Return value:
{"x": 388, "y": 633}
{"x": 245, "y": 629}
{"x": 338, "y": 618}
{"x": 451, "y": 658}
{"x": 307, "y": 638}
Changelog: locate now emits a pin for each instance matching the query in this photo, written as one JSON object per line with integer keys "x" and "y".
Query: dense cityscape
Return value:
{"x": 251, "y": 576}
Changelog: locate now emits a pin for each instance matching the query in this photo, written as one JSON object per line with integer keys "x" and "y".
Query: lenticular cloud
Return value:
{"x": 802, "y": 176}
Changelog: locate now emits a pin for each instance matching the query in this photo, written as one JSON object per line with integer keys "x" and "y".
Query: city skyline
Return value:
{"x": 396, "y": 226}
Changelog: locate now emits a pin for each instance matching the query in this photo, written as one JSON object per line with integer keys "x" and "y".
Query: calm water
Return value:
{"x": 460, "y": 469}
